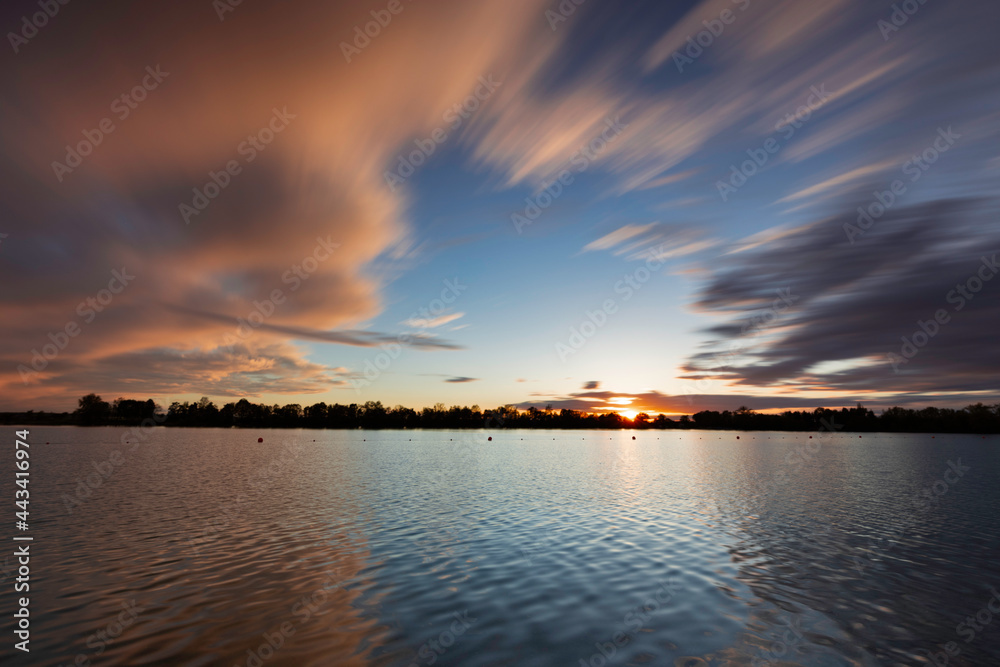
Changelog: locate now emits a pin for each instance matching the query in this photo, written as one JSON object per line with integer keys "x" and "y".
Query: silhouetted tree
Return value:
{"x": 92, "y": 411}
{"x": 128, "y": 412}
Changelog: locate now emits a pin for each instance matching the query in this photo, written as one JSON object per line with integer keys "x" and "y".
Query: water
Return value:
{"x": 538, "y": 548}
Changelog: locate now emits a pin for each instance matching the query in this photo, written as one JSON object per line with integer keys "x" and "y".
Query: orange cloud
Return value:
{"x": 320, "y": 178}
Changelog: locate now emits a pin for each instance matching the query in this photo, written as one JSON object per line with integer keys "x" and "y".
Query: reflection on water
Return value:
{"x": 205, "y": 547}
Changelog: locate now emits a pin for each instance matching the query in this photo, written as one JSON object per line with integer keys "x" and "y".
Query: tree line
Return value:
{"x": 92, "y": 410}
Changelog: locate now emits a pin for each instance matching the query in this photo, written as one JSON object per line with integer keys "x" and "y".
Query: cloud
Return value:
{"x": 852, "y": 304}
{"x": 236, "y": 371}
{"x": 668, "y": 242}
{"x": 761, "y": 29}
{"x": 592, "y": 384}
{"x": 461, "y": 379}
{"x": 764, "y": 237}
{"x": 618, "y": 236}
{"x": 431, "y": 322}
{"x": 652, "y": 401}
{"x": 320, "y": 177}
{"x": 766, "y": 62}
{"x": 653, "y": 241}
{"x": 670, "y": 179}
{"x": 678, "y": 404}
{"x": 861, "y": 173}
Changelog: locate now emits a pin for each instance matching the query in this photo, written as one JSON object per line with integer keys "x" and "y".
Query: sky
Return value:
{"x": 590, "y": 204}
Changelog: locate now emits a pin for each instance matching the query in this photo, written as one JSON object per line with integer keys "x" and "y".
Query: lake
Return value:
{"x": 205, "y": 547}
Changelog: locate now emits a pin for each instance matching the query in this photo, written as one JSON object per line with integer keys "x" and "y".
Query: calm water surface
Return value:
{"x": 199, "y": 547}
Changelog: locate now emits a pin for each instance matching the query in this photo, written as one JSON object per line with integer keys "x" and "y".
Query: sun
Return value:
{"x": 628, "y": 414}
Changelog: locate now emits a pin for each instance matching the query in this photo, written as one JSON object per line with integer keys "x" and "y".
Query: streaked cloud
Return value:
{"x": 854, "y": 304}
{"x": 670, "y": 179}
{"x": 841, "y": 179}
{"x": 432, "y": 322}
{"x": 618, "y": 236}
{"x": 653, "y": 241}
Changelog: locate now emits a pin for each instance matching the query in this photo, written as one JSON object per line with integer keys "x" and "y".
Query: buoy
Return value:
{"x": 810, "y": 437}
{"x": 737, "y": 437}
{"x": 260, "y": 439}
{"x": 490, "y": 438}
{"x": 633, "y": 437}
